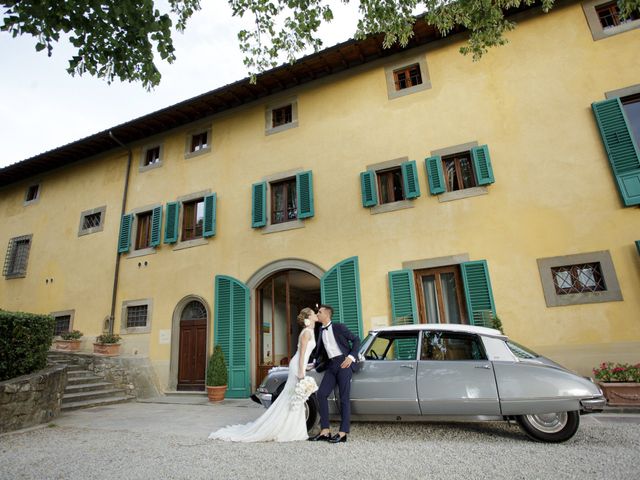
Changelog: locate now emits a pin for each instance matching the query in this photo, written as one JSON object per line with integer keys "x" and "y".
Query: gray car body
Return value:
{"x": 501, "y": 386}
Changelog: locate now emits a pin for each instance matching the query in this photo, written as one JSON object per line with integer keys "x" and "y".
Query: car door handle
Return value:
{"x": 486, "y": 367}
{"x": 407, "y": 366}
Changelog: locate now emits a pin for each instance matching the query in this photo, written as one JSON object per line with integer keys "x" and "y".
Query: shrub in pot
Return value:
{"x": 620, "y": 383}
{"x": 216, "y": 375}
{"x": 107, "y": 344}
{"x": 69, "y": 341}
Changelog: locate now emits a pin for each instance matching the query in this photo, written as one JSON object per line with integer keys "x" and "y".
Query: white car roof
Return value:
{"x": 450, "y": 327}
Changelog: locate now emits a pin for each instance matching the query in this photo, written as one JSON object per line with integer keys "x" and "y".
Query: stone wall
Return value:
{"x": 32, "y": 399}
{"x": 132, "y": 373}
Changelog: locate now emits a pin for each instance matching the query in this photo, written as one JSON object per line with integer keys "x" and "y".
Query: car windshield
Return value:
{"x": 520, "y": 350}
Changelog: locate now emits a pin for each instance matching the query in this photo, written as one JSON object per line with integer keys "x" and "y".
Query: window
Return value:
{"x": 198, "y": 142}
{"x": 386, "y": 185}
{"x": 458, "y": 171}
{"x": 451, "y": 346}
{"x": 441, "y": 295}
{"x": 283, "y": 201}
{"x": 390, "y": 185}
{"x": 92, "y": 221}
{"x": 604, "y": 19}
{"x": 136, "y": 316}
{"x": 578, "y": 279}
{"x": 631, "y": 106}
{"x": 63, "y": 324}
{"x": 393, "y": 346}
{"x": 143, "y": 230}
{"x": 282, "y": 115}
{"x": 407, "y": 77}
{"x": 609, "y": 15}
{"x": 32, "y": 194}
{"x": 15, "y": 262}
{"x": 193, "y": 219}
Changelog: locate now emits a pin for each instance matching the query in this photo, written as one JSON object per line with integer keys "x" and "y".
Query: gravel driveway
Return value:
{"x": 374, "y": 451}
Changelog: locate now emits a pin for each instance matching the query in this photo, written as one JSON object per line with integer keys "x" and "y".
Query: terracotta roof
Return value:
{"x": 330, "y": 61}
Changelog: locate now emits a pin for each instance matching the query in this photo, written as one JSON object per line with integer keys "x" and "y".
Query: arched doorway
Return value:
{"x": 192, "y": 347}
{"x": 279, "y": 298}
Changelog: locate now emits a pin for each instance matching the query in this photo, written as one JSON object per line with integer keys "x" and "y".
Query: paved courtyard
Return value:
{"x": 169, "y": 441}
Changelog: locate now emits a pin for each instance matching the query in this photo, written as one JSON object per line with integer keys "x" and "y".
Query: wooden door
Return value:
{"x": 192, "y": 363}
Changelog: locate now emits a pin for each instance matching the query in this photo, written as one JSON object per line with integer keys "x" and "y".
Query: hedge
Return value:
{"x": 25, "y": 339}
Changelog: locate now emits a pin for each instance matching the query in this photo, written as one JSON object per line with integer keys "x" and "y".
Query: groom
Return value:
{"x": 335, "y": 354}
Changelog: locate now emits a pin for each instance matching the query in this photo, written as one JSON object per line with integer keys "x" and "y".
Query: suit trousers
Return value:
{"x": 342, "y": 377}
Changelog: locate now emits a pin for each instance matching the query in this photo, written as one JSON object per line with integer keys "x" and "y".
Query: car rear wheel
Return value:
{"x": 550, "y": 427}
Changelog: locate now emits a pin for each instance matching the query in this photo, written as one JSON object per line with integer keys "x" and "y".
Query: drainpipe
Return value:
{"x": 124, "y": 205}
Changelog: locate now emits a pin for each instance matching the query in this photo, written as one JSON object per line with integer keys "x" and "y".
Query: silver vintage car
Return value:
{"x": 456, "y": 373}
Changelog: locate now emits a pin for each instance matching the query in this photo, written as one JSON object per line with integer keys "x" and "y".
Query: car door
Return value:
{"x": 454, "y": 376}
{"x": 386, "y": 381}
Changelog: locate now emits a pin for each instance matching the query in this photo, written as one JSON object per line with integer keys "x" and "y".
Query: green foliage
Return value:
{"x": 25, "y": 339}
{"x": 108, "y": 338}
{"x": 72, "y": 335}
{"x": 116, "y": 38}
{"x": 217, "y": 368}
{"x": 497, "y": 323}
{"x": 617, "y": 372}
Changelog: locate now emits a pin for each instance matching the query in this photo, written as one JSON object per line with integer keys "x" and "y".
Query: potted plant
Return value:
{"x": 69, "y": 341}
{"x": 620, "y": 383}
{"x": 107, "y": 344}
{"x": 216, "y": 375}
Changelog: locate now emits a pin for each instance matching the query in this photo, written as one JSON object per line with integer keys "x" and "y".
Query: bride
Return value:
{"x": 281, "y": 422}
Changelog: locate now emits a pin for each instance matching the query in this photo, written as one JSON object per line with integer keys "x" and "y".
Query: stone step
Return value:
{"x": 82, "y": 379}
{"x": 87, "y": 387}
{"x": 79, "y": 373}
{"x": 92, "y": 395}
{"x": 65, "y": 407}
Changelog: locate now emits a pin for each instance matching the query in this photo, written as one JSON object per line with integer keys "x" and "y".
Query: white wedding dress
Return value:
{"x": 280, "y": 423}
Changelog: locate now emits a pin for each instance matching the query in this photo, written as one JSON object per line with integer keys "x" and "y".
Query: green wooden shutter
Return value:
{"x": 435, "y": 175}
{"x": 482, "y": 165}
{"x": 304, "y": 191}
{"x": 232, "y": 332}
{"x": 369, "y": 190}
{"x": 403, "y": 309}
{"x": 340, "y": 289}
{"x": 638, "y": 246}
{"x": 210, "y": 204}
{"x": 156, "y": 223}
{"x": 622, "y": 151}
{"x": 410, "y": 179}
{"x": 477, "y": 290}
{"x": 171, "y": 222}
{"x": 124, "y": 239}
{"x": 259, "y": 204}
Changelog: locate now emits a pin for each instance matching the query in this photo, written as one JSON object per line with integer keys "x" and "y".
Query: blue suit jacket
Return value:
{"x": 348, "y": 342}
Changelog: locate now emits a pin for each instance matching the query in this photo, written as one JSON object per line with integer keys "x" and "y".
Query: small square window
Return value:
{"x": 92, "y": 221}
{"x": 281, "y": 116}
{"x": 407, "y": 76}
{"x": 152, "y": 156}
{"x": 458, "y": 171}
{"x": 143, "y": 230}
{"x": 15, "y": 262}
{"x": 284, "y": 206}
{"x": 63, "y": 324}
{"x": 199, "y": 141}
{"x": 390, "y": 188}
{"x": 192, "y": 219}
{"x": 578, "y": 278}
{"x": 137, "y": 316}
{"x": 604, "y": 19}
{"x": 609, "y": 15}
{"x": 32, "y": 193}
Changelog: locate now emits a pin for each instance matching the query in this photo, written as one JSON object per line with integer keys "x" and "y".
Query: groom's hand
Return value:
{"x": 347, "y": 362}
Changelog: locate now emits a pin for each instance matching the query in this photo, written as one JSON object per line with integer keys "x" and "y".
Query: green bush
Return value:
{"x": 25, "y": 339}
{"x": 497, "y": 324}
{"x": 108, "y": 338}
{"x": 217, "y": 368}
{"x": 72, "y": 335}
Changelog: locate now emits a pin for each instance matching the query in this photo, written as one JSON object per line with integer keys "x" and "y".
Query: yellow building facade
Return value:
{"x": 408, "y": 187}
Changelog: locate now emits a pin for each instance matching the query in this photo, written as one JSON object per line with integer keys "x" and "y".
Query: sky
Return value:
{"x": 43, "y": 107}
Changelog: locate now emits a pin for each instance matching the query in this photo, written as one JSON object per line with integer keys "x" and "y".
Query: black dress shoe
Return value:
{"x": 338, "y": 439}
{"x": 320, "y": 438}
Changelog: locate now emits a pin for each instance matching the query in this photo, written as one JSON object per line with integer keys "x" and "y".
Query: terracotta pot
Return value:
{"x": 106, "y": 348}
{"x": 621, "y": 394}
{"x": 216, "y": 394}
{"x": 68, "y": 345}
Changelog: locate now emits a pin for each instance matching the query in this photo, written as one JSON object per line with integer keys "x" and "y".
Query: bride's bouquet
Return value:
{"x": 303, "y": 390}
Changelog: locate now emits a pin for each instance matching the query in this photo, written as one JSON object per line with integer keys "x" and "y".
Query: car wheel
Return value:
{"x": 550, "y": 427}
{"x": 311, "y": 413}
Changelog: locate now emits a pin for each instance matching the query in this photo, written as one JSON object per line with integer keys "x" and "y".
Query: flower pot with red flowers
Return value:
{"x": 216, "y": 375}
{"x": 69, "y": 341}
{"x": 107, "y": 344}
{"x": 620, "y": 383}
